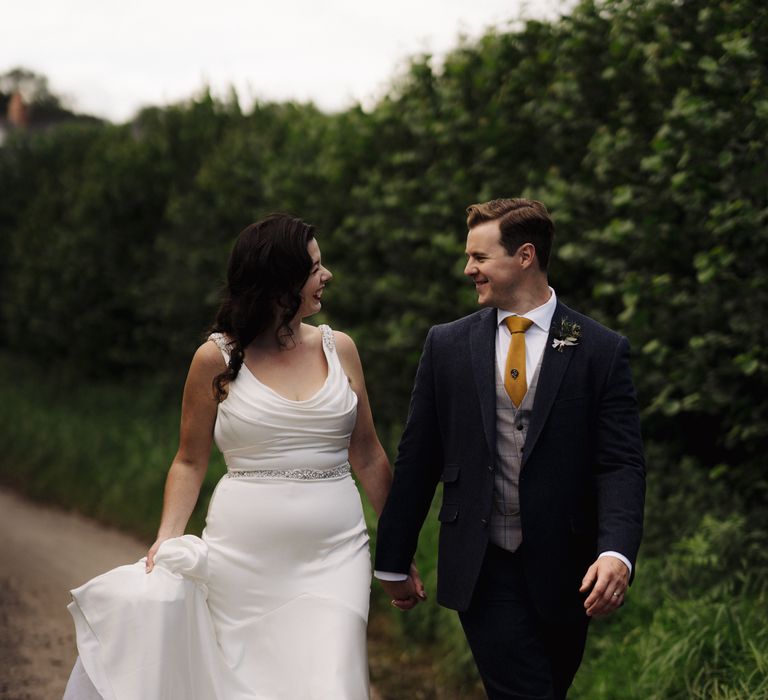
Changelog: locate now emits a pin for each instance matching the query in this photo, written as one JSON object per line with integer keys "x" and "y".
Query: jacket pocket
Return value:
{"x": 450, "y": 473}
{"x": 449, "y": 512}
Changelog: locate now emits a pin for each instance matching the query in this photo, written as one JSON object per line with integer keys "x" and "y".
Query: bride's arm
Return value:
{"x": 366, "y": 455}
{"x": 187, "y": 471}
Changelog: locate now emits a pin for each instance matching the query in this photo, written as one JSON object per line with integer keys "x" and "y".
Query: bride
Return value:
{"x": 272, "y": 602}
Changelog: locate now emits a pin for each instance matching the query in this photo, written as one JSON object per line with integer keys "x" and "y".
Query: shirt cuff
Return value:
{"x": 389, "y": 576}
{"x": 618, "y": 556}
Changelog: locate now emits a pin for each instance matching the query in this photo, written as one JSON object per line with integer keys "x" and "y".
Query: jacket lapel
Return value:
{"x": 553, "y": 367}
{"x": 482, "y": 341}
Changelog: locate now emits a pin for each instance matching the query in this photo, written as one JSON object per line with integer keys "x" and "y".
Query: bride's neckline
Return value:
{"x": 285, "y": 398}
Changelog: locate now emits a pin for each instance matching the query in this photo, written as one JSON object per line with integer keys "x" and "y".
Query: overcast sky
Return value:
{"x": 110, "y": 57}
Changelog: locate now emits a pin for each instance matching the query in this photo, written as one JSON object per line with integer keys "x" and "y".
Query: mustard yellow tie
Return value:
{"x": 514, "y": 371}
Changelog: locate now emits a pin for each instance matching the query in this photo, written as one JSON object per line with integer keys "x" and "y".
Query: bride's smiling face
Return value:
{"x": 319, "y": 276}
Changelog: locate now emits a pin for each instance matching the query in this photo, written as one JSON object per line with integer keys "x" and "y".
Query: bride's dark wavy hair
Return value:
{"x": 268, "y": 266}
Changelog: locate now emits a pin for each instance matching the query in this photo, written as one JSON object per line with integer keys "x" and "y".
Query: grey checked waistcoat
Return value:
{"x": 511, "y": 431}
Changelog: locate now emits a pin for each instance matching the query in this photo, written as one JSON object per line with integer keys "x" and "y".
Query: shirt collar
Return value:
{"x": 541, "y": 315}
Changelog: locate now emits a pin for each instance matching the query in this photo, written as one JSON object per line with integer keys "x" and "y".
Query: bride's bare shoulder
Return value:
{"x": 208, "y": 360}
{"x": 344, "y": 344}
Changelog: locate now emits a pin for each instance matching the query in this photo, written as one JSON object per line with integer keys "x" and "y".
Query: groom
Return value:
{"x": 526, "y": 411}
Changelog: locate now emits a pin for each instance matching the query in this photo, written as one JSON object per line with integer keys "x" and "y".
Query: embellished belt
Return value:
{"x": 292, "y": 474}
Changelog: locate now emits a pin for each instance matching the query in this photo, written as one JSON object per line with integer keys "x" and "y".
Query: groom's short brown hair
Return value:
{"x": 520, "y": 221}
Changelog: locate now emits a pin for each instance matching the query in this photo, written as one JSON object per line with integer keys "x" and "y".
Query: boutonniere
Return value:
{"x": 568, "y": 334}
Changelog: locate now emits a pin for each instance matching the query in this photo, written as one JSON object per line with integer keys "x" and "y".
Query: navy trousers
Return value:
{"x": 519, "y": 655}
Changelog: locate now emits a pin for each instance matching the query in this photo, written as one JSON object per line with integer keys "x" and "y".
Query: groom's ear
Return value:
{"x": 527, "y": 253}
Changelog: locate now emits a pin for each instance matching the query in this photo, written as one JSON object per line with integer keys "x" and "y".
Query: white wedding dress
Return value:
{"x": 272, "y": 602}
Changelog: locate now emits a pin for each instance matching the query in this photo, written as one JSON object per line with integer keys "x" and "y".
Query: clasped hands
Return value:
{"x": 408, "y": 593}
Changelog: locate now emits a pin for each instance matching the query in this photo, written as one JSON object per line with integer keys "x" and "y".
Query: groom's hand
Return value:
{"x": 408, "y": 593}
{"x": 606, "y": 580}
{"x": 417, "y": 582}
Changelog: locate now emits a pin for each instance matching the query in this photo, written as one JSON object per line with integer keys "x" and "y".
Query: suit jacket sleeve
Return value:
{"x": 417, "y": 471}
{"x": 619, "y": 461}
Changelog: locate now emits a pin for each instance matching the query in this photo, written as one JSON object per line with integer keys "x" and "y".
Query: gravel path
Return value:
{"x": 43, "y": 554}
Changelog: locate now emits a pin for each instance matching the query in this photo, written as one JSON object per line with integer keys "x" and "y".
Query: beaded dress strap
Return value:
{"x": 222, "y": 342}
{"x": 329, "y": 340}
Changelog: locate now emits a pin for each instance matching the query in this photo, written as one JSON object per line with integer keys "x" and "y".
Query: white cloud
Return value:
{"x": 113, "y": 57}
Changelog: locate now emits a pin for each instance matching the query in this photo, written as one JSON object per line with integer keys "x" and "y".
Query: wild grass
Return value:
{"x": 697, "y": 648}
{"x": 695, "y": 626}
{"x": 101, "y": 449}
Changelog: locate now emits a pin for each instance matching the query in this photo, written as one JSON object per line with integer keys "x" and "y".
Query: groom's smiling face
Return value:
{"x": 495, "y": 272}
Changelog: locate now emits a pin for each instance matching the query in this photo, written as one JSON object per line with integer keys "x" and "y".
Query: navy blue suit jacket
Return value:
{"x": 582, "y": 482}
